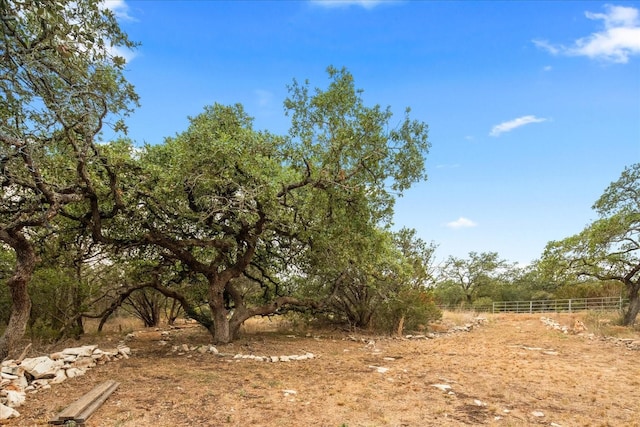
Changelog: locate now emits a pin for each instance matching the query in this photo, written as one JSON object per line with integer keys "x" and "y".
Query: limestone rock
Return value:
{"x": 41, "y": 367}
{"x": 84, "y": 351}
{"x": 7, "y": 412}
{"x": 443, "y": 387}
{"x": 15, "y": 398}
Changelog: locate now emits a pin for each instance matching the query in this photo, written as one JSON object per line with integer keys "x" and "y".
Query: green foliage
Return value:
{"x": 474, "y": 274}
{"x": 272, "y": 223}
{"x": 609, "y": 248}
{"x": 482, "y": 304}
{"x": 411, "y": 309}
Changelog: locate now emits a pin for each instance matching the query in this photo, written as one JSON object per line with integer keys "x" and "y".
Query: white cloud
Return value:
{"x": 119, "y": 8}
{"x": 547, "y": 68}
{"x": 461, "y": 222}
{"x": 616, "y": 42}
{"x": 515, "y": 123}
{"x": 367, "y": 4}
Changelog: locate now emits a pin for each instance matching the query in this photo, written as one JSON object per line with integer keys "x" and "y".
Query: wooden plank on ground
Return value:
{"x": 85, "y": 406}
{"x": 89, "y": 410}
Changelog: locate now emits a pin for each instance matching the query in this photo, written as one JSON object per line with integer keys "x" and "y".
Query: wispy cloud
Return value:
{"x": 263, "y": 97}
{"x": 616, "y": 42}
{"x": 515, "y": 123}
{"x": 367, "y": 4}
{"x": 119, "y": 8}
{"x": 461, "y": 222}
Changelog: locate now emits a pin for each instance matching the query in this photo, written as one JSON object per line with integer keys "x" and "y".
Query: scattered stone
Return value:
{"x": 289, "y": 392}
{"x": 443, "y": 387}
{"x": 538, "y": 414}
{"x": 479, "y": 403}
{"x": 30, "y": 375}
{"x": 379, "y": 369}
{"x": 7, "y": 412}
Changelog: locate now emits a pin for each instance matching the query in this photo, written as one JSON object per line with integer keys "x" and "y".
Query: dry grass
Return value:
{"x": 499, "y": 374}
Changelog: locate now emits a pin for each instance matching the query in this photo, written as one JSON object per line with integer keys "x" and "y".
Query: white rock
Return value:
{"x": 8, "y": 376}
{"x": 84, "y": 363}
{"x": 124, "y": 350}
{"x": 84, "y": 351}
{"x": 379, "y": 369}
{"x": 537, "y": 414}
{"x": 15, "y": 398}
{"x": 41, "y": 367}
{"x": 284, "y": 358}
{"x": 443, "y": 387}
{"x": 275, "y": 359}
{"x": 74, "y": 372}
{"x": 6, "y": 412}
{"x": 213, "y": 350}
{"x": 479, "y": 403}
{"x": 288, "y": 392}
{"x": 61, "y": 375}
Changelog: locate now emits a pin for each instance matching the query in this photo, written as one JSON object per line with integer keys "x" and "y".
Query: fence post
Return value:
{"x": 530, "y": 307}
{"x": 569, "y": 305}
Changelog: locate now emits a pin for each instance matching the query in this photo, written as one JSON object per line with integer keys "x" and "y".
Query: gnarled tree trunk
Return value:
{"x": 20, "y": 302}
{"x": 630, "y": 315}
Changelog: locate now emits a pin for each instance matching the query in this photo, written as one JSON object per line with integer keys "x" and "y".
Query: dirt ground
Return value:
{"x": 511, "y": 371}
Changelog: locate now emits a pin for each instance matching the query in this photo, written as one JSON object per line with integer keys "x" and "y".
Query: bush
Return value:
{"x": 410, "y": 310}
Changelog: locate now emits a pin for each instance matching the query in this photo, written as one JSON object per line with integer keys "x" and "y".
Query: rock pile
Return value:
{"x": 19, "y": 377}
{"x": 554, "y": 325}
{"x": 290, "y": 358}
{"x": 580, "y": 329}
{"x": 467, "y": 327}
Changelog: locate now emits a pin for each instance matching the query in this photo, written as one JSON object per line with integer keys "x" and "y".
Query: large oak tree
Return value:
{"x": 60, "y": 84}
{"x": 244, "y": 209}
{"x": 609, "y": 248}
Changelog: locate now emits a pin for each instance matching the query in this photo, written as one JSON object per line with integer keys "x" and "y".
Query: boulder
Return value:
{"x": 41, "y": 367}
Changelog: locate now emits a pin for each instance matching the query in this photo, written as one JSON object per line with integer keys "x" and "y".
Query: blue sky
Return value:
{"x": 533, "y": 107}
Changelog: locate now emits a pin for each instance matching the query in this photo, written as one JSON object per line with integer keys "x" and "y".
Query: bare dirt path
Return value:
{"x": 512, "y": 371}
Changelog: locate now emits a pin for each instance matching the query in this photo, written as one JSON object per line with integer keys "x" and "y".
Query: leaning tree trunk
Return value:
{"x": 20, "y": 302}
{"x": 634, "y": 306}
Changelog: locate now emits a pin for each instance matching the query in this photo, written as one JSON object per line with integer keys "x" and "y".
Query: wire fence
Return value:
{"x": 560, "y": 305}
